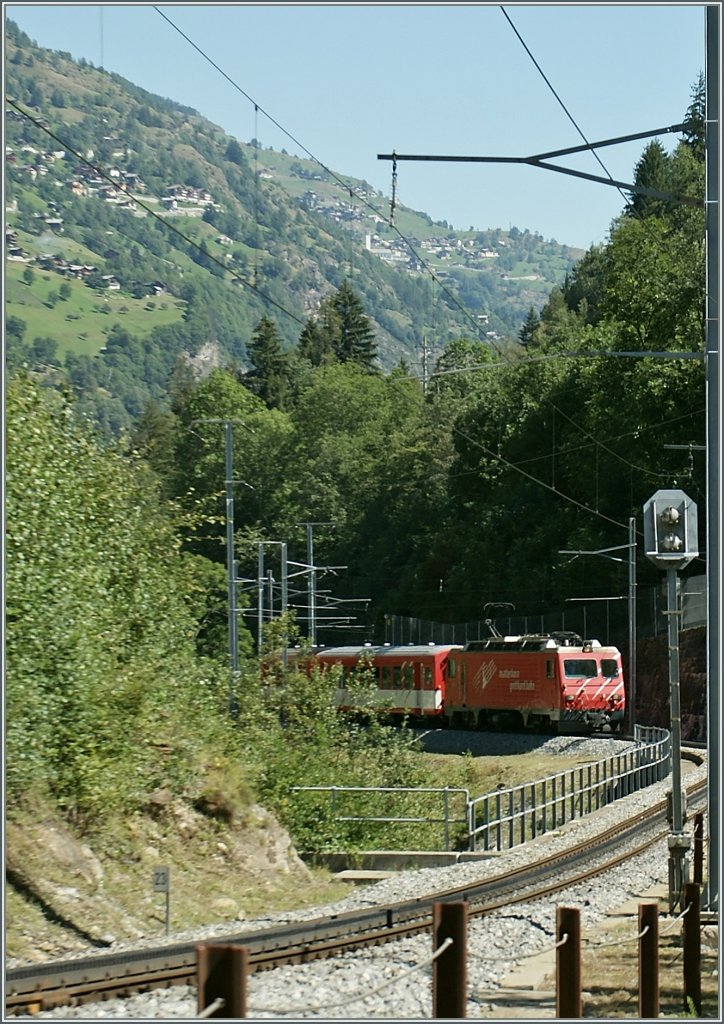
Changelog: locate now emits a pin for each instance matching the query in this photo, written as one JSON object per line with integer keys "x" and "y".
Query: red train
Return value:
{"x": 548, "y": 682}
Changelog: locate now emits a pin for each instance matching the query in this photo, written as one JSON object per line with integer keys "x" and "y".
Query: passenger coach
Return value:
{"x": 548, "y": 682}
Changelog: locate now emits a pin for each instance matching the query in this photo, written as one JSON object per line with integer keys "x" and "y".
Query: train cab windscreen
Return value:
{"x": 576, "y": 667}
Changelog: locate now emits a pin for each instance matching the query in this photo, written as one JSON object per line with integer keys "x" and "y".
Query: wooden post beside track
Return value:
{"x": 692, "y": 948}
{"x": 222, "y": 973}
{"x": 648, "y": 960}
{"x": 698, "y": 848}
{"x": 568, "y": 963}
{"x": 449, "y": 969}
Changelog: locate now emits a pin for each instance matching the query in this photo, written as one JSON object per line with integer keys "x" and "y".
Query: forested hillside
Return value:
{"x": 430, "y": 498}
{"x": 137, "y": 230}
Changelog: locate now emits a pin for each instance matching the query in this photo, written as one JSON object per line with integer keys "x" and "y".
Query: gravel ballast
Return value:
{"x": 394, "y": 981}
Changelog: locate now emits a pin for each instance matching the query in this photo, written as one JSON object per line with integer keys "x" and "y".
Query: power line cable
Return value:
{"x": 636, "y": 213}
{"x": 565, "y": 108}
{"x": 504, "y": 356}
{"x": 151, "y": 212}
{"x": 335, "y": 177}
{"x": 535, "y": 479}
{"x": 572, "y": 449}
{"x": 604, "y": 447}
{"x": 505, "y": 360}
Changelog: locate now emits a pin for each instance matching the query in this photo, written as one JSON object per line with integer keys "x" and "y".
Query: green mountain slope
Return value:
{"x": 164, "y": 228}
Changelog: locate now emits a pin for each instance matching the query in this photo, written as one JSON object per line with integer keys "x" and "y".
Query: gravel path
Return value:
{"x": 394, "y": 981}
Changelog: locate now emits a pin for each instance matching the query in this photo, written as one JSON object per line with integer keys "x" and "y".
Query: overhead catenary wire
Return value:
{"x": 192, "y": 242}
{"x": 572, "y": 449}
{"x": 451, "y": 296}
{"x": 151, "y": 212}
{"x": 553, "y": 490}
{"x": 565, "y": 109}
{"x": 505, "y": 358}
{"x": 338, "y": 180}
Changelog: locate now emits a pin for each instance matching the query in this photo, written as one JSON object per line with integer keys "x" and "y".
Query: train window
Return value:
{"x": 386, "y": 677}
{"x": 576, "y": 667}
{"x": 396, "y": 675}
{"x": 452, "y": 668}
{"x": 408, "y": 676}
{"x": 550, "y": 671}
{"x": 427, "y": 675}
{"x": 609, "y": 667}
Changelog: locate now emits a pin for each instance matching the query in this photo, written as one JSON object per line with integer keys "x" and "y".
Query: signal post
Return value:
{"x": 670, "y": 538}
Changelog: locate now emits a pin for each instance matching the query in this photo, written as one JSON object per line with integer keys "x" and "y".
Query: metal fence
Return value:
{"x": 606, "y": 620}
{"x": 446, "y": 817}
{"x": 513, "y": 815}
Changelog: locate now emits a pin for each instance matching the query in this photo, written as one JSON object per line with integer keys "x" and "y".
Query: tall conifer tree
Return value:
{"x": 268, "y": 377}
{"x": 356, "y": 340}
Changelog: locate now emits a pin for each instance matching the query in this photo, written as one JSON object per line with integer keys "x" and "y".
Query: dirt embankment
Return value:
{"x": 652, "y": 682}
{"x": 63, "y": 896}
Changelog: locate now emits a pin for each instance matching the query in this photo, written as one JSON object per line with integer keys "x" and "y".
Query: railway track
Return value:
{"x": 93, "y": 978}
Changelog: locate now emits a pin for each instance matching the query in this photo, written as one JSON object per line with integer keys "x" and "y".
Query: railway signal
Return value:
{"x": 670, "y": 529}
{"x": 670, "y": 538}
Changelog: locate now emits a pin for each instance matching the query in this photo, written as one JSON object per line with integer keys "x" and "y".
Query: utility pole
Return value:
{"x": 270, "y": 593}
{"x": 260, "y": 601}
{"x": 230, "y": 561}
{"x": 312, "y": 580}
{"x": 632, "y": 631}
{"x": 312, "y": 585}
{"x": 632, "y": 639}
{"x": 713, "y": 446}
{"x": 230, "y": 558}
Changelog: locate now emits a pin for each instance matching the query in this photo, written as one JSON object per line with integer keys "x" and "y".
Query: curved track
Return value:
{"x": 92, "y": 978}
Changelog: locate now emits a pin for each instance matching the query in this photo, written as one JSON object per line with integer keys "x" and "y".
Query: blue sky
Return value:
{"x": 350, "y": 81}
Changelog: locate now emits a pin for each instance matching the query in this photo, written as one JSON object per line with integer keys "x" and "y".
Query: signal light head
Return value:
{"x": 670, "y": 529}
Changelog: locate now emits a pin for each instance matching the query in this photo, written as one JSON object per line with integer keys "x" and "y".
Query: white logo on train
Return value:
{"x": 484, "y": 674}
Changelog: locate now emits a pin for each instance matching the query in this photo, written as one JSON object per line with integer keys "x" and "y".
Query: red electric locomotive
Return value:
{"x": 537, "y": 682}
{"x": 555, "y": 681}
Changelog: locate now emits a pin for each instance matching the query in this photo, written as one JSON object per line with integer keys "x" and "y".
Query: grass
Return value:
{"x": 610, "y": 973}
{"x": 81, "y": 322}
{"x": 221, "y": 874}
{"x": 217, "y": 874}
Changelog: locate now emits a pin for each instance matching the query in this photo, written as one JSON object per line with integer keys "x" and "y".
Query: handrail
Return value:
{"x": 512, "y": 815}
{"x": 447, "y": 819}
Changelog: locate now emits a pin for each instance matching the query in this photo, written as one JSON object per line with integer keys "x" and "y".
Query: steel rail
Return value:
{"x": 102, "y": 976}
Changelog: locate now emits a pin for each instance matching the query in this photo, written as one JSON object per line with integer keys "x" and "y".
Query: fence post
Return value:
{"x": 221, "y": 973}
{"x": 648, "y": 960}
{"x": 698, "y": 848}
{"x": 449, "y": 970}
{"x": 568, "y": 963}
{"x": 692, "y": 949}
{"x": 533, "y": 822}
{"x": 447, "y": 823}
